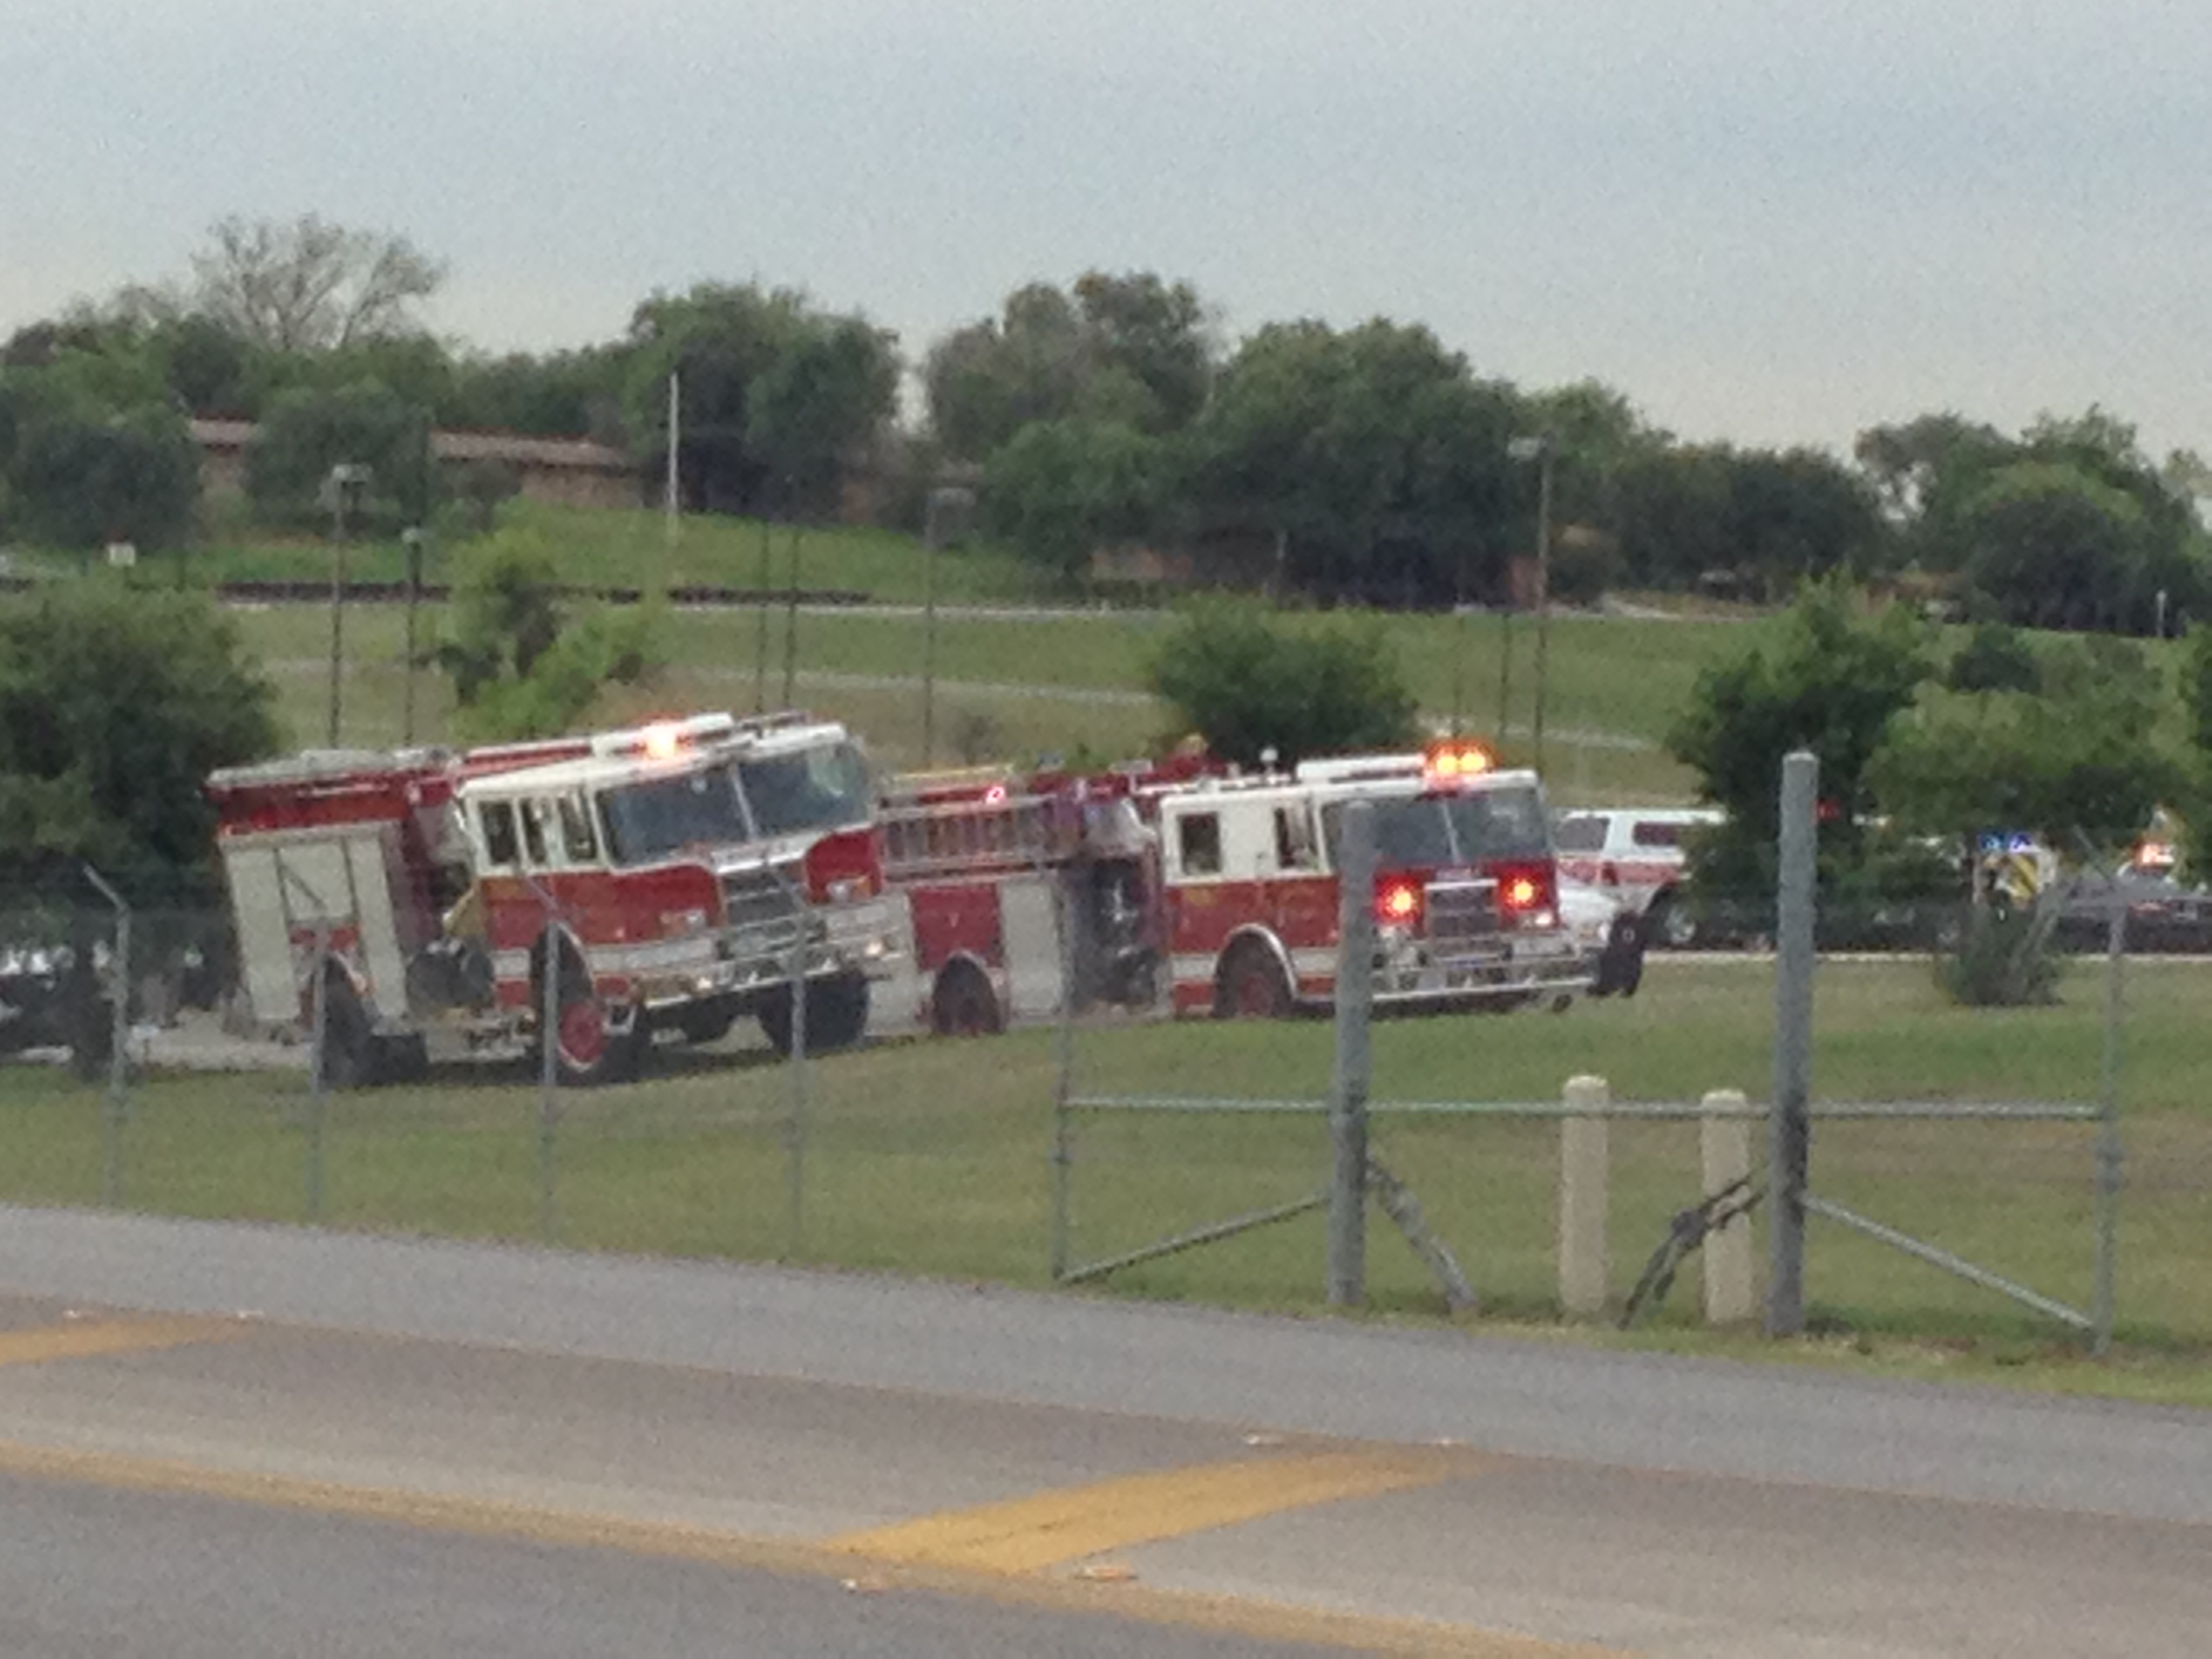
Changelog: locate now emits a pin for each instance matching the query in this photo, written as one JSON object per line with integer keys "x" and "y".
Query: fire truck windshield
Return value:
{"x": 1429, "y": 832}
{"x": 650, "y": 820}
{"x": 823, "y": 789}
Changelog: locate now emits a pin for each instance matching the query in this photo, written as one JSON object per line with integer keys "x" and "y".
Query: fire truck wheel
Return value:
{"x": 587, "y": 1051}
{"x": 837, "y": 1014}
{"x": 707, "y": 1021}
{"x": 348, "y": 1043}
{"x": 1250, "y": 986}
{"x": 964, "y": 1004}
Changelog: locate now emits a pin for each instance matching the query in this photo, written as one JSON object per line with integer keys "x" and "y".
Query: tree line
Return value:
{"x": 1371, "y": 463}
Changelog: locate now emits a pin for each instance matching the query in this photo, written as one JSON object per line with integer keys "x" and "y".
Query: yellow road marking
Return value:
{"x": 82, "y": 1339}
{"x": 485, "y": 1518}
{"x": 1027, "y": 1534}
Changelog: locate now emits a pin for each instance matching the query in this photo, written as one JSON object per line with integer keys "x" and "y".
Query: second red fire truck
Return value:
{"x": 1220, "y": 892}
{"x": 673, "y": 875}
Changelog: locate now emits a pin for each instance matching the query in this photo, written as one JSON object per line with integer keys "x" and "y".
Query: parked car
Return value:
{"x": 2163, "y": 914}
{"x": 31, "y": 999}
{"x": 1637, "y": 856}
{"x": 1608, "y": 935}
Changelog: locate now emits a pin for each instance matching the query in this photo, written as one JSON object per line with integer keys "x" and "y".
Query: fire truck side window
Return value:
{"x": 577, "y": 840}
{"x": 1198, "y": 844}
{"x": 496, "y": 819}
{"x": 534, "y": 814}
{"x": 1294, "y": 843}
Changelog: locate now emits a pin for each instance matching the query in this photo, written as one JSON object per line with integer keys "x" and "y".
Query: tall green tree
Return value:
{"x": 2076, "y": 758}
{"x": 1374, "y": 458}
{"x": 1828, "y": 675}
{"x": 116, "y": 702}
{"x": 1128, "y": 349}
{"x": 2070, "y": 525}
{"x": 523, "y": 660}
{"x": 1761, "y": 521}
{"x": 307, "y": 432}
{"x": 776, "y": 398}
{"x": 1251, "y": 682}
{"x": 1058, "y": 489}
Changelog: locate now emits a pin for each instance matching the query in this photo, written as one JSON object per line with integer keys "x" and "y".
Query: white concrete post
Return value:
{"x": 1583, "y": 1266}
{"x": 1724, "y": 1152}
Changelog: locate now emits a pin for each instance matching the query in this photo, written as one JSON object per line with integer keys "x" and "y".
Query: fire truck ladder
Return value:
{"x": 959, "y": 837}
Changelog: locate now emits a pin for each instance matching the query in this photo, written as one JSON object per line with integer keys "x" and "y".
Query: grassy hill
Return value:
{"x": 1021, "y": 670}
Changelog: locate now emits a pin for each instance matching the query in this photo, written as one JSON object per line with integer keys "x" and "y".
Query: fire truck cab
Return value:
{"x": 669, "y": 875}
{"x": 1465, "y": 891}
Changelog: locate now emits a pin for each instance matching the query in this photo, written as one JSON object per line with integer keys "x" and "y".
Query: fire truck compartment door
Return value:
{"x": 366, "y": 857}
{"x": 1031, "y": 934}
{"x": 264, "y": 938}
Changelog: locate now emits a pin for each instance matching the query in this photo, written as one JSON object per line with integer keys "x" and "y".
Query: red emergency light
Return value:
{"x": 1398, "y": 903}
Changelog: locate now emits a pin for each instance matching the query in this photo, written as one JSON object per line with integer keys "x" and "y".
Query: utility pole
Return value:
{"x": 1541, "y": 450}
{"x": 411, "y": 539}
{"x": 671, "y": 505}
{"x": 345, "y": 485}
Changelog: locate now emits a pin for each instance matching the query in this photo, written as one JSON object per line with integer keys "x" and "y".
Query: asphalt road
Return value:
{"x": 414, "y": 1447}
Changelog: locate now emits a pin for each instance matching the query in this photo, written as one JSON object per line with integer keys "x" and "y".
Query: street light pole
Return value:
{"x": 411, "y": 539}
{"x": 347, "y": 480}
{"x": 1541, "y": 450}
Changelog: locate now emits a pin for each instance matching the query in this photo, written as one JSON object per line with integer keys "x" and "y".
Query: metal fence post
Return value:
{"x": 1347, "y": 1101}
{"x": 548, "y": 1084}
{"x": 1791, "y": 1121}
{"x": 319, "y": 1074}
{"x": 1063, "y": 1151}
{"x": 794, "y": 1141}
{"x": 116, "y": 1109}
{"x": 2103, "y": 1291}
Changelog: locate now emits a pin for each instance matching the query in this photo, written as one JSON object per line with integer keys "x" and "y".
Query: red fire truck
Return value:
{"x": 667, "y": 877}
{"x": 1465, "y": 891}
{"x": 1229, "y": 884}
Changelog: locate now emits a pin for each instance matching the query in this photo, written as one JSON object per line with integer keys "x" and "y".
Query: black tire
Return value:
{"x": 963, "y": 1003}
{"x": 349, "y": 1045}
{"x": 1141, "y": 982}
{"x": 1621, "y": 968}
{"x": 837, "y": 1014}
{"x": 1250, "y": 985}
{"x": 402, "y": 1060}
{"x": 706, "y": 1022}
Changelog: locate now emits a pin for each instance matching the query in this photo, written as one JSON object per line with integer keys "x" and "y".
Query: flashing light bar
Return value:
{"x": 1448, "y": 762}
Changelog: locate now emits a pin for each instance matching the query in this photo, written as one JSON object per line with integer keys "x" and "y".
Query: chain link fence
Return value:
{"x": 948, "y": 1156}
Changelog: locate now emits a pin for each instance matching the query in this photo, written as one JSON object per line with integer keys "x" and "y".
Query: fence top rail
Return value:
{"x": 2017, "y": 1111}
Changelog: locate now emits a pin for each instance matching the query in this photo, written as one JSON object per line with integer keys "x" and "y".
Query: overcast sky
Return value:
{"x": 1762, "y": 221}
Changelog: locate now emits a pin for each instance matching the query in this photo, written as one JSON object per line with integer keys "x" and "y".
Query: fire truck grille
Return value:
{"x": 765, "y": 909}
{"x": 1463, "y": 913}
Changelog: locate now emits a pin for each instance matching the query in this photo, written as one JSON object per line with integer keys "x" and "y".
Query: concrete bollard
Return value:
{"x": 1583, "y": 1268}
{"x": 1724, "y": 1152}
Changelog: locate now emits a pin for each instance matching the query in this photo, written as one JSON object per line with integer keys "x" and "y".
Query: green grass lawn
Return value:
{"x": 918, "y": 1159}
{"x": 1016, "y": 687}
{"x": 1009, "y": 687}
{"x": 602, "y": 547}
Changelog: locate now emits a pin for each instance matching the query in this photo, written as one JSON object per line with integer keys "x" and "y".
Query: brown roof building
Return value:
{"x": 573, "y": 471}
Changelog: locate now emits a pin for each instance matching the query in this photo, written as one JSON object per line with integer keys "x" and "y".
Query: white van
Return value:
{"x": 1637, "y": 856}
